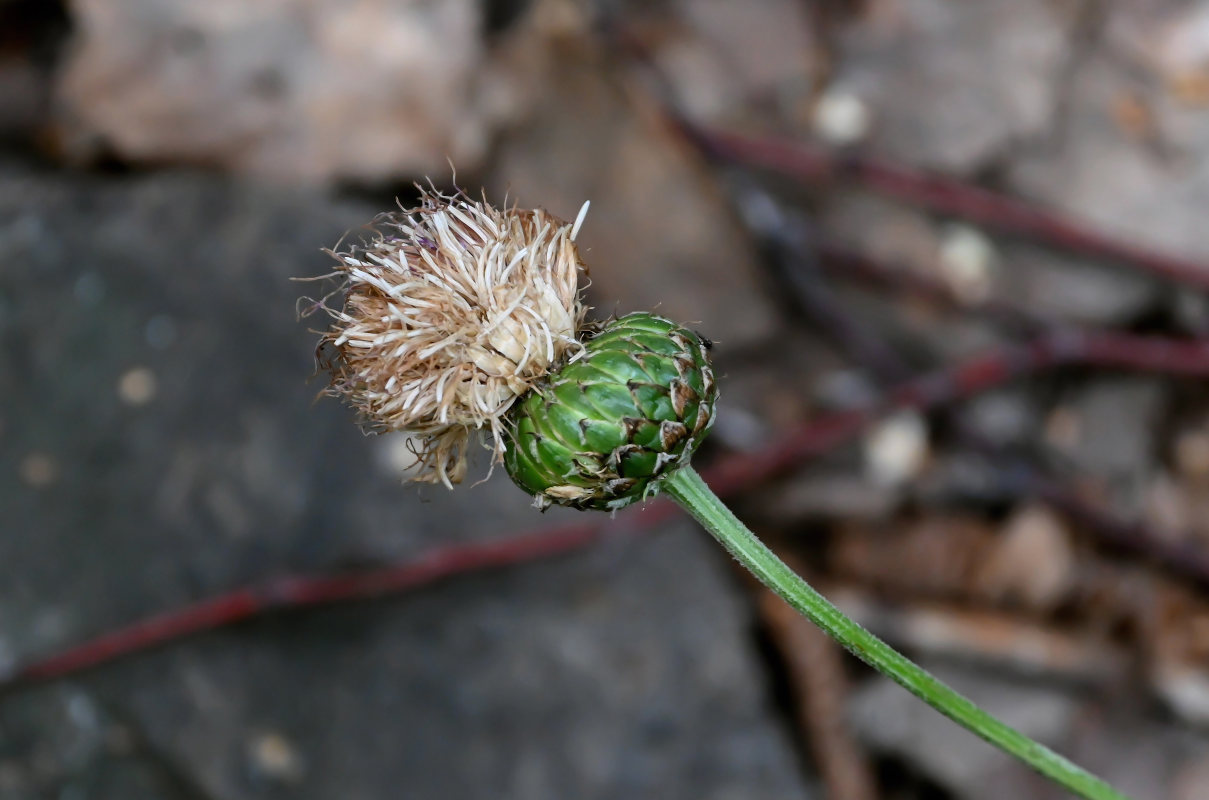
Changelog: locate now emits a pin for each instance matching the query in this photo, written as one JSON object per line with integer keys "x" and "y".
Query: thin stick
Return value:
{"x": 965, "y": 379}
{"x": 297, "y": 592}
{"x": 812, "y": 163}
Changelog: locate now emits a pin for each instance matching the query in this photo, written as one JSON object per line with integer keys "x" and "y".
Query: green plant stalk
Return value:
{"x": 690, "y": 491}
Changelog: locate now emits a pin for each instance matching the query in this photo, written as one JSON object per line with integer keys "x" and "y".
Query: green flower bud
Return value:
{"x": 600, "y": 432}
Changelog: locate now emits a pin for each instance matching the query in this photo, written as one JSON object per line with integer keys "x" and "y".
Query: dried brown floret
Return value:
{"x": 453, "y": 310}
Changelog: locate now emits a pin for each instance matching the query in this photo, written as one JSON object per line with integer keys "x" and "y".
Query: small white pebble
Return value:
{"x": 39, "y": 470}
{"x": 395, "y": 454}
{"x": 137, "y": 386}
{"x": 840, "y": 118}
{"x": 967, "y": 260}
{"x": 1186, "y": 692}
{"x": 897, "y": 448}
{"x": 272, "y": 756}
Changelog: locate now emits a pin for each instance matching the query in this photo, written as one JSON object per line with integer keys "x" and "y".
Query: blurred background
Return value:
{"x": 996, "y": 204}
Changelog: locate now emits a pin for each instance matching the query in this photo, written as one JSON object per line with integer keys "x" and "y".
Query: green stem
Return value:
{"x": 687, "y": 488}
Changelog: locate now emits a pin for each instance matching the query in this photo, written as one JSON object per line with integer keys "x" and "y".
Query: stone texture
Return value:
{"x": 1114, "y": 434}
{"x": 722, "y": 55}
{"x": 1061, "y": 287}
{"x": 1131, "y": 154}
{"x": 952, "y": 86}
{"x": 292, "y": 90}
{"x": 817, "y": 494}
{"x": 1143, "y": 758}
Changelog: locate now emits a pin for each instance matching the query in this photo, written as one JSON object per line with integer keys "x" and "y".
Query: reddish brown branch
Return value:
{"x": 300, "y": 592}
{"x": 809, "y": 162}
{"x": 734, "y": 474}
{"x": 970, "y": 377}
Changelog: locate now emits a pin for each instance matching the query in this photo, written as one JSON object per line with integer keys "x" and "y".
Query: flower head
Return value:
{"x": 453, "y": 310}
{"x": 608, "y": 429}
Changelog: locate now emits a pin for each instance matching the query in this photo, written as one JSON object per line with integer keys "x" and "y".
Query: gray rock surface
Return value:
{"x": 158, "y": 445}
{"x": 1131, "y": 144}
{"x": 953, "y": 86}
{"x": 1114, "y": 427}
{"x": 289, "y": 90}
{"x": 1061, "y": 287}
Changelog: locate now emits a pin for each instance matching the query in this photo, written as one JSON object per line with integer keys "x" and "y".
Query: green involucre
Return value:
{"x": 602, "y": 430}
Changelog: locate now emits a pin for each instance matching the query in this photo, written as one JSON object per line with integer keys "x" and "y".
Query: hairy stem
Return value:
{"x": 691, "y": 492}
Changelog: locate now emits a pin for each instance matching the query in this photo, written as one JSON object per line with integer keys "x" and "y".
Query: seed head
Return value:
{"x": 605, "y": 431}
{"x": 453, "y": 310}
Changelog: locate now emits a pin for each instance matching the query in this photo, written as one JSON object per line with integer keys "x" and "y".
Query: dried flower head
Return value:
{"x": 453, "y": 310}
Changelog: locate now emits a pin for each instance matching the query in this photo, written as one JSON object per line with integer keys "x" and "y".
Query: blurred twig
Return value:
{"x": 300, "y": 592}
{"x": 813, "y": 163}
{"x": 791, "y": 249}
{"x": 1152, "y": 354}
